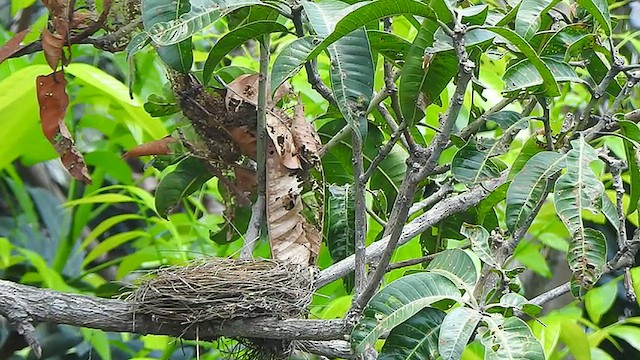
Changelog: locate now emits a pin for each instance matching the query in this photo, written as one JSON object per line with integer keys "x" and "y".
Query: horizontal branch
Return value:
{"x": 27, "y": 304}
{"x": 437, "y": 213}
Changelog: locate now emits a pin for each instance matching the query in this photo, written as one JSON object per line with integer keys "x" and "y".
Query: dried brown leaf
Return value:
{"x": 305, "y": 137}
{"x": 278, "y": 124}
{"x": 59, "y": 15}
{"x": 52, "y": 46}
{"x": 156, "y": 147}
{"x": 13, "y": 45}
{"x": 246, "y": 179}
{"x": 245, "y": 140}
{"x": 242, "y": 89}
{"x": 53, "y": 101}
{"x": 292, "y": 238}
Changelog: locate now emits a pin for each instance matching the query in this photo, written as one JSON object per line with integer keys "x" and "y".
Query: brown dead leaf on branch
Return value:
{"x": 13, "y": 45}
{"x": 53, "y": 101}
{"x": 156, "y": 147}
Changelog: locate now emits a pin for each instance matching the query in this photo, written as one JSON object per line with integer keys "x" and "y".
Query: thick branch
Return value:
{"x": 42, "y": 305}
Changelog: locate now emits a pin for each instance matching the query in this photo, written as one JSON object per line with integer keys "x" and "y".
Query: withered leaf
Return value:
{"x": 244, "y": 88}
{"x": 292, "y": 238}
{"x": 156, "y": 147}
{"x": 278, "y": 124}
{"x": 13, "y": 45}
{"x": 52, "y": 47}
{"x": 59, "y": 15}
{"x": 246, "y": 180}
{"x": 305, "y": 137}
{"x": 245, "y": 140}
{"x": 53, "y": 101}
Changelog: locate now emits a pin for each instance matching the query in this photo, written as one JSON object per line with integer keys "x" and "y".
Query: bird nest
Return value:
{"x": 219, "y": 289}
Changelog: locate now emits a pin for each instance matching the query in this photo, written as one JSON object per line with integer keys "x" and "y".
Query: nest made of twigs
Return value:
{"x": 218, "y": 289}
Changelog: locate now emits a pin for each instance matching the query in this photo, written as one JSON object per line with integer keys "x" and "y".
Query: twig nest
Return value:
{"x": 218, "y": 289}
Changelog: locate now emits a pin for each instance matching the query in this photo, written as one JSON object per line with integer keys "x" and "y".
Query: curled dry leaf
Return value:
{"x": 242, "y": 89}
{"x": 53, "y": 101}
{"x": 278, "y": 129}
{"x": 13, "y": 45}
{"x": 52, "y": 47}
{"x": 245, "y": 140}
{"x": 157, "y": 147}
{"x": 305, "y": 137}
{"x": 292, "y": 238}
{"x": 59, "y": 15}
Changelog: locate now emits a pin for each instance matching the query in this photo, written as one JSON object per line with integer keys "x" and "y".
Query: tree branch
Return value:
{"x": 28, "y": 304}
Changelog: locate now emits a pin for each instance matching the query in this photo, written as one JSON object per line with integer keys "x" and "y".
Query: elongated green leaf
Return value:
{"x": 473, "y": 163}
{"x": 290, "y": 60}
{"x": 577, "y": 190}
{"x": 202, "y": 14}
{"x": 550, "y": 86}
{"x": 178, "y": 55}
{"x": 456, "y": 331}
{"x": 136, "y": 44}
{"x": 528, "y": 186}
{"x": 188, "y": 177}
{"x": 234, "y": 39}
{"x": 530, "y": 14}
{"x": 351, "y": 69}
{"x": 340, "y": 218}
{"x": 510, "y": 339}
{"x": 473, "y": 37}
{"x": 111, "y": 243}
{"x": 479, "y": 238}
{"x": 528, "y": 150}
{"x": 523, "y": 75}
{"x": 456, "y": 262}
{"x": 599, "y": 300}
{"x": 392, "y": 47}
{"x": 398, "y": 302}
{"x": 414, "y": 78}
{"x": 106, "y": 225}
{"x": 632, "y": 132}
{"x": 565, "y": 42}
{"x": 599, "y": 9}
{"x": 416, "y": 338}
{"x": 360, "y": 14}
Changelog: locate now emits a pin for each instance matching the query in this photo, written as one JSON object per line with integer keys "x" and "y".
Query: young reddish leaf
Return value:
{"x": 13, "y": 45}
{"x": 53, "y": 101}
{"x": 157, "y": 147}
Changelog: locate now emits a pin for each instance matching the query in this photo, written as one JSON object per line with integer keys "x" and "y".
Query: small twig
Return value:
{"x": 335, "y": 140}
{"x": 376, "y": 218}
{"x": 253, "y": 231}
{"x": 388, "y": 118}
{"x": 599, "y": 91}
{"x": 546, "y": 122}
{"x": 383, "y": 152}
{"x": 474, "y": 126}
{"x": 551, "y": 294}
{"x": 360, "y": 221}
{"x": 416, "y": 261}
{"x": 444, "y": 190}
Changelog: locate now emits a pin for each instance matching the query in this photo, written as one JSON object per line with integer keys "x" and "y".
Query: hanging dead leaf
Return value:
{"x": 13, "y": 45}
{"x": 52, "y": 45}
{"x": 305, "y": 137}
{"x": 292, "y": 238}
{"x": 157, "y": 147}
{"x": 278, "y": 124}
{"x": 53, "y": 101}
{"x": 242, "y": 89}
{"x": 245, "y": 140}
{"x": 59, "y": 15}
{"x": 246, "y": 179}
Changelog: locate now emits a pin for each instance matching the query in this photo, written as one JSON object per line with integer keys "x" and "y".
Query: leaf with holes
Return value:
{"x": 457, "y": 262}
{"x": 599, "y": 9}
{"x": 234, "y": 39}
{"x": 479, "y": 238}
{"x": 392, "y": 47}
{"x": 397, "y": 302}
{"x": 178, "y": 55}
{"x": 527, "y": 187}
{"x": 416, "y": 338}
{"x": 53, "y": 101}
{"x": 456, "y": 331}
{"x": 340, "y": 229}
{"x": 509, "y": 339}
{"x": 524, "y": 75}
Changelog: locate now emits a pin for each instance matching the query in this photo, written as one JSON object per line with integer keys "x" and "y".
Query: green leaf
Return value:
{"x": 111, "y": 243}
{"x": 157, "y": 106}
{"x": 290, "y": 60}
{"x": 524, "y": 75}
{"x": 550, "y": 86}
{"x": 234, "y": 39}
{"x": 472, "y": 165}
{"x": 188, "y": 177}
{"x": 599, "y": 9}
{"x": 479, "y": 238}
{"x": 361, "y": 14}
{"x": 530, "y": 148}
{"x": 416, "y": 338}
{"x": 390, "y": 46}
{"x": 457, "y": 262}
{"x": 510, "y": 339}
{"x": 136, "y": 44}
{"x": 530, "y": 14}
{"x": 628, "y": 333}
{"x": 351, "y": 70}
{"x": 106, "y": 225}
{"x": 398, "y": 302}
{"x": 178, "y": 55}
{"x": 598, "y": 301}
{"x": 340, "y": 230}
{"x": 528, "y": 186}
{"x": 100, "y": 199}
{"x": 202, "y": 14}
{"x": 456, "y": 331}
{"x": 414, "y": 80}
{"x": 631, "y": 131}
